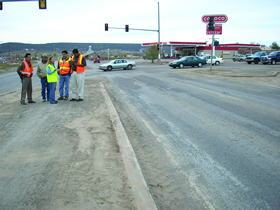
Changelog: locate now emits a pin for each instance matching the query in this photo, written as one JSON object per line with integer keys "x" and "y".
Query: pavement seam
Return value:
{"x": 142, "y": 196}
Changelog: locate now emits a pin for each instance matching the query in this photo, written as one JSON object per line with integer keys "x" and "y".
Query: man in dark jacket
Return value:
{"x": 25, "y": 72}
{"x": 42, "y": 74}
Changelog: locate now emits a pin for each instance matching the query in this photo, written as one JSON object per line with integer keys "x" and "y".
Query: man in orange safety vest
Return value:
{"x": 25, "y": 71}
{"x": 78, "y": 76}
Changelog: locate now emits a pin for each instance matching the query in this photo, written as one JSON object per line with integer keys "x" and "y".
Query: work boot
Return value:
{"x": 60, "y": 98}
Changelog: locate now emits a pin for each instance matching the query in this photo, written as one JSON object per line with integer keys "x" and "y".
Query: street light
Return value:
{"x": 158, "y": 30}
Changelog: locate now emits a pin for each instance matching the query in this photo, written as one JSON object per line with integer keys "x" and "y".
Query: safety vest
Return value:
{"x": 51, "y": 77}
{"x": 80, "y": 69}
{"x": 64, "y": 67}
{"x": 27, "y": 70}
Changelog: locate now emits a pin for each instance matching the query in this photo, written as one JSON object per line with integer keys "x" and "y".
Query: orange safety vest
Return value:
{"x": 64, "y": 67}
{"x": 27, "y": 70}
{"x": 80, "y": 69}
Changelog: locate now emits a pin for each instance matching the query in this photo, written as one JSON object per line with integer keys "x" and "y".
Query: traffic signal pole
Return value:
{"x": 212, "y": 50}
{"x": 127, "y": 30}
{"x": 134, "y": 29}
{"x": 42, "y": 3}
{"x": 211, "y": 26}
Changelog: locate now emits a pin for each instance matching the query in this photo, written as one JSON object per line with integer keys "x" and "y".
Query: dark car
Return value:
{"x": 96, "y": 60}
{"x": 188, "y": 61}
{"x": 274, "y": 57}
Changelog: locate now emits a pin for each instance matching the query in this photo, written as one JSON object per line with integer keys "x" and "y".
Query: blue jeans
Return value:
{"x": 45, "y": 85}
{"x": 64, "y": 79}
{"x": 52, "y": 92}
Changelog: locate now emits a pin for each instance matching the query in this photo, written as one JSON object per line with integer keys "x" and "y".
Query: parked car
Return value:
{"x": 256, "y": 58}
{"x": 272, "y": 58}
{"x": 188, "y": 61}
{"x": 239, "y": 58}
{"x": 117, "y": 64}
{"x": 215, "y": 60}
{"x": 96, "y": 60}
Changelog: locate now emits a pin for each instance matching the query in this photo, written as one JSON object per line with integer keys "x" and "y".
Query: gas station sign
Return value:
{"x": 217, "y": 30}
{"x": 217, "y": 18}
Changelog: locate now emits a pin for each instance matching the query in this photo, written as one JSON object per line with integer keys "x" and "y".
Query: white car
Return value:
{"x": 117, "y": 64}
{"x": 215, "y": 60}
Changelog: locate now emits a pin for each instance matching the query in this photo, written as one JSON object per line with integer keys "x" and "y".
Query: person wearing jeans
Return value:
{"x": 52, "y": 79}
{"x": 42, "y": 74}
{"x": 64, "y": 69}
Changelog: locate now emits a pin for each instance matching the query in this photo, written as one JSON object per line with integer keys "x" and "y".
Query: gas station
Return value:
{"x": 213, "y": 27}
{"x": 202, "y": 48}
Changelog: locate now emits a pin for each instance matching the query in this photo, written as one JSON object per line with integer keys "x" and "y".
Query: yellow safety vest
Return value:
{"x": 51, "y": 77}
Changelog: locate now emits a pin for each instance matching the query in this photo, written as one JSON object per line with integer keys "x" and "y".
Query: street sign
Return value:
{"x": 217, "y": 30}
{"x": 217, "y": 18}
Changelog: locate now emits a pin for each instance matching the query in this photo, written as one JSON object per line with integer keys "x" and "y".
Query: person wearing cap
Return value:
{"x": 25, "y": 72}
{"x": 42, "y": 74}
{"x": 64, "y": 69}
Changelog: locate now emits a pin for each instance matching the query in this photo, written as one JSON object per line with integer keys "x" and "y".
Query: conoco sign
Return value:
{"x": 217, "y": 18}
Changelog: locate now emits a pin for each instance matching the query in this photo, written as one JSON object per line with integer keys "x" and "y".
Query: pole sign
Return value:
{"x": 217, "y": 30}
{"x": 217, "y": 18}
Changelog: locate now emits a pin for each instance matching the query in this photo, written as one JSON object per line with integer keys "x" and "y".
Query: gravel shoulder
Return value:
{"x": 62, "y": 156}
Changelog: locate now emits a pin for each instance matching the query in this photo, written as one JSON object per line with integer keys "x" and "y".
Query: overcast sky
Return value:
{"x": 180, "y": 20}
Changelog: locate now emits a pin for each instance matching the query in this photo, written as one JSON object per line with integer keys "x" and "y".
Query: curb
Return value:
{"x": 142, "y": 196}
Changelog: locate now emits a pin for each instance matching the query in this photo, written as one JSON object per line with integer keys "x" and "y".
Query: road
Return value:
{"x": 202, "y": 141}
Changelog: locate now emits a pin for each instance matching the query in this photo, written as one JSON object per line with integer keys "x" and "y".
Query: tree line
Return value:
{"x": 14, "y": 46}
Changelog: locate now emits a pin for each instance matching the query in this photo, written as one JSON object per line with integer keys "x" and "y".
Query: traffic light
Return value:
{"x": 126, "y": 28}
{"x": 42, "y": 4}
{"x": 106, "y": 26}
{"x": 1, "y": 5}
{"x": 157, "y": 46}
{"x": 211, "y": 24}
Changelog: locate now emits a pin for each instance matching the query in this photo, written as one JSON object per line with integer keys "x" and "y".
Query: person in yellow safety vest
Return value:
{"x": 78, "y": 76}
{"x": 25, "y": 71}
{"x": 52, "y": 79}
{"x": 65, "y": 71}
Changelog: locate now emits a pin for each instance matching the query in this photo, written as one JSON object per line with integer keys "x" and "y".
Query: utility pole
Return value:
{"x": 158, "y": 34}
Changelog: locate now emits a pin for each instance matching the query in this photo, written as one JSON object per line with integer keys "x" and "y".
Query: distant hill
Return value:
{"x": 58, "y": 47}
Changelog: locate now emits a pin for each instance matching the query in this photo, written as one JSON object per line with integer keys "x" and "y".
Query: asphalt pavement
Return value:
{"x": 203, "y": 139}
{"x": 213, "y": 139}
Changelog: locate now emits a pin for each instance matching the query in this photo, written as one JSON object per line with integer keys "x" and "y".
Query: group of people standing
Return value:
{"x": 48, "y": 75}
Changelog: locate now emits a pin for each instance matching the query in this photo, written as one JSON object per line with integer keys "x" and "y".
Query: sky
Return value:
{"x": 180, "y": 20}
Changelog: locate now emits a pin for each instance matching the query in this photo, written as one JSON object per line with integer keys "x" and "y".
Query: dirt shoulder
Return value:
{"x": 8, "y": 67}
{"x": 62, "y": 156}
{"x": 269, "y": 76}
